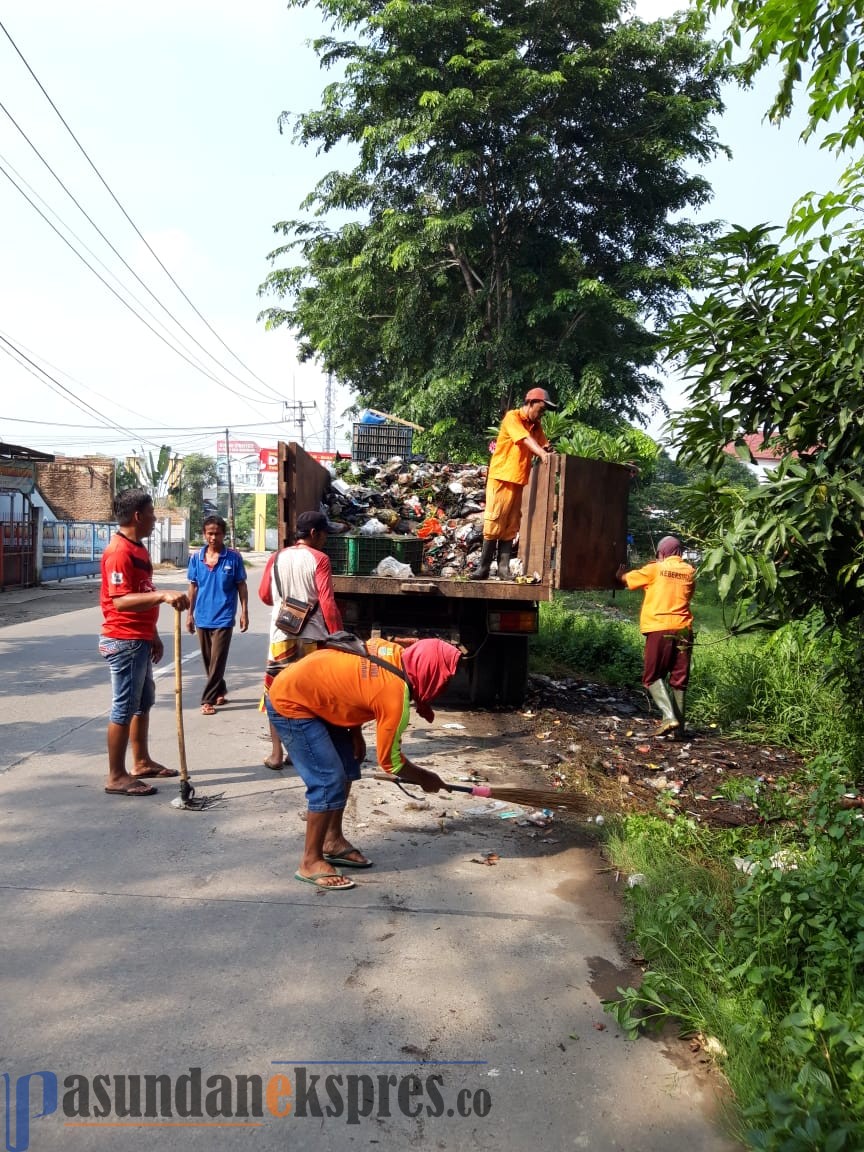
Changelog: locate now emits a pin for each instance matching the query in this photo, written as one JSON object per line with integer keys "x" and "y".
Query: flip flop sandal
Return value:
{"x": 346, "y": 861}
{"x": 221, "y": 700}
{"x": 208, "y": 710}
{"x": 132, "y": 790}
{"x": 151, "y": 773}
{"x": 314, "y": 881}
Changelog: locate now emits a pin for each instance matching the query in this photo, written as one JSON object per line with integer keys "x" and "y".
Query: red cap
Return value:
{"x": 540, "y": 394}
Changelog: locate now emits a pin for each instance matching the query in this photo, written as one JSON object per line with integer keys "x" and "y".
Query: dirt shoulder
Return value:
{"x": 596, "y": 739}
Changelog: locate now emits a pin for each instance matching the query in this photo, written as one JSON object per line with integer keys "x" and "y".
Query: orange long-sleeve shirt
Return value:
{"x": 668, "y": 588}
{"x": 346, "y": 690}
{"x": 511, "y": 460}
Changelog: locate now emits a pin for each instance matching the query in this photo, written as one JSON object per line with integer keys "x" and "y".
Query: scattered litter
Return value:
{"x": 785, "y": 860}
{"x": 458, "y": 727}
{"x": 513, "y": 814}
{"x": 490, "y": 858}
{"x": 636, "y": 880}
{"x": 543, "y": 817}
{"x": 486, "y": 809}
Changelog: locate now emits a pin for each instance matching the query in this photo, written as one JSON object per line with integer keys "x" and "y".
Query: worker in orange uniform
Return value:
{"x": 520, "y": 438}
{"x": 317, "y": 707}
{"x": 667, "y": 625}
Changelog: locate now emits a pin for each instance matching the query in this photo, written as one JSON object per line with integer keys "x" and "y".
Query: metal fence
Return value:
{"x": 73, "y": 548}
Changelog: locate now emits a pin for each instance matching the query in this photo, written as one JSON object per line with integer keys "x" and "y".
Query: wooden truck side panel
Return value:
{"x": 574, "y": 528}
{"x": 590, "y": 527}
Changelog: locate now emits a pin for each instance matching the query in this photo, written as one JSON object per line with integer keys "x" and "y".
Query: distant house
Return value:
{"x": 78, "y": 488}
{"x": 19, "y": 515}
{"x": 764, "y": 455}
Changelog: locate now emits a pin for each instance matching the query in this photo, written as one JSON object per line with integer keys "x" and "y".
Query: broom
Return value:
{"x": 528, "y": 797}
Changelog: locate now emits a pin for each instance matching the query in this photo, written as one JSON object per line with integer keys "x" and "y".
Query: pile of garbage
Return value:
{"x": 440, "y": 503}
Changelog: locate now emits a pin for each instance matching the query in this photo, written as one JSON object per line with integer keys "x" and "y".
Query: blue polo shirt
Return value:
{"x": 216, "y": 602}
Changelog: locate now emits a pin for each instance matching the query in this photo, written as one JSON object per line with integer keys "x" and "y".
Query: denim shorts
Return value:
{"x": 323, "y": 756}
{"x": 132, "y": 689}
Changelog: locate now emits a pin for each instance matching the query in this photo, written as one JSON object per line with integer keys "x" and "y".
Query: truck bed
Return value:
{"x": 439, "y": 586}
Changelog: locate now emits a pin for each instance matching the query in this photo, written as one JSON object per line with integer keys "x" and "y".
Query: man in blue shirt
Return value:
{"x": 217, "y": 580}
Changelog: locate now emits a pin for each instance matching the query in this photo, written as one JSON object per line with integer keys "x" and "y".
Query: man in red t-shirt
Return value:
{"x": 130, "y": 642}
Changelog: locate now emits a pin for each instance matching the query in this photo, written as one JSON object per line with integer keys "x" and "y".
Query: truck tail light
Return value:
{"x": 525, "y": 620}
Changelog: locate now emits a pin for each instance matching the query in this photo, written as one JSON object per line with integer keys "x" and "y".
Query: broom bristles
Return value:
{"x": 539, "y": 798}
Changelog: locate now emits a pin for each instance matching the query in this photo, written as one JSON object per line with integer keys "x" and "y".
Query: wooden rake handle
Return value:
{"x": 178, "y": 698}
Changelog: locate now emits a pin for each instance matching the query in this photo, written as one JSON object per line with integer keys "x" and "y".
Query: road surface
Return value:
{"x": 168, "y": 984}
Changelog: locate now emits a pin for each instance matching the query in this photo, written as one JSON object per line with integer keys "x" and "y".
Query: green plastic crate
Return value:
{"x": 361, "y": 555}
{"x": 336, "y": 548}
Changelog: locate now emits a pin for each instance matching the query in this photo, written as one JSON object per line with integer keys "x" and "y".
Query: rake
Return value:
{"x": 528, "y": 797}
{"x": 187, "y": 799}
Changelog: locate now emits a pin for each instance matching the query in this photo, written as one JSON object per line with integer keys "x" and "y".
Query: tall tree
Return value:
{"x": 197, "y": 473}
{"x": 517, "y": 212}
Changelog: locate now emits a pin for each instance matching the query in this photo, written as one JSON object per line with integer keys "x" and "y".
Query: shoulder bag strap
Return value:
{"x": 317, "y": 603}
{"x": 373, "y": 660}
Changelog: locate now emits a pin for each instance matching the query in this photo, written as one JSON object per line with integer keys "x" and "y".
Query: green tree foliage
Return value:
{"x": 820, "y": 40}
{"x": 244, "y": 517}
{"x": 775, "y": 347}
{"x": 197, "y": 473}
{"x": 674, "y": 499}
{"x": 517, "y": 212}
{"x": 125, "y": 478}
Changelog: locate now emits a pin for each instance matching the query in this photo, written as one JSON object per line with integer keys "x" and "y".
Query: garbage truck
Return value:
{"x": 573, "y": 536}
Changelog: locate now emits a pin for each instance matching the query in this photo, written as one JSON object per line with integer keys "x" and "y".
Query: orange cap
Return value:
{"x": 540, "y": 394}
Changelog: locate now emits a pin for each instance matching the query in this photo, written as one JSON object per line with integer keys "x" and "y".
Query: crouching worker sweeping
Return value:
{"x": 317, "y": 707}
{"x": 667, "y": 625}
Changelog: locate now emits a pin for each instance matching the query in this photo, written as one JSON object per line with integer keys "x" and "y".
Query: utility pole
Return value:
{"x": 329, "y": 412}
{"x": 299, "y": 406}
{"x": 230, "y": 490}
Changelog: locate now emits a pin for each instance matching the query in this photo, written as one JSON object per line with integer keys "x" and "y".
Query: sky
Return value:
{"x": 176, "y": 103}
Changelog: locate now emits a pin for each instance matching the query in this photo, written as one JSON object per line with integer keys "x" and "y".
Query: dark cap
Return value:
{"x": 309, "y": 522}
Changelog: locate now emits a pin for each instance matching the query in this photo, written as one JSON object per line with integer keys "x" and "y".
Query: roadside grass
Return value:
{"x": 753, "y": 938}
{"x": 770, "y": 688}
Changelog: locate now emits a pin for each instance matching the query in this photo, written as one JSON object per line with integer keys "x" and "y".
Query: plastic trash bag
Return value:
{"x": 390, "y": 566}
{"x": 373, "y": 527}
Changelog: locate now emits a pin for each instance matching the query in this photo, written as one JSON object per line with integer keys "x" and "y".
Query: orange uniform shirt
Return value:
{"x": 511, "y": 460}
{"x": 668, "y": 588}
{"x": 346, "y": 690}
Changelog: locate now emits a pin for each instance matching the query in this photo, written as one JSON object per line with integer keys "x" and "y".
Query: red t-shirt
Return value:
{"x": 126, "y": 568}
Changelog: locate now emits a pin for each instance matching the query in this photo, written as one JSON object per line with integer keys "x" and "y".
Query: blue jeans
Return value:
{"x": 323, "y": 756}
{"x": 132, "y": 689}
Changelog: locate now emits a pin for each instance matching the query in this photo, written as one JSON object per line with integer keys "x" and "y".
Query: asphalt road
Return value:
{"x": 153, "y": 957}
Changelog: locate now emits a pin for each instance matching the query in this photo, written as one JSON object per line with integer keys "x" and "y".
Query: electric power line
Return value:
{"x": 123, "y": 261}
{"x": 17, "y": 355}
{"x": 124, "y": 302}
{"x": 128, "y": 217}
